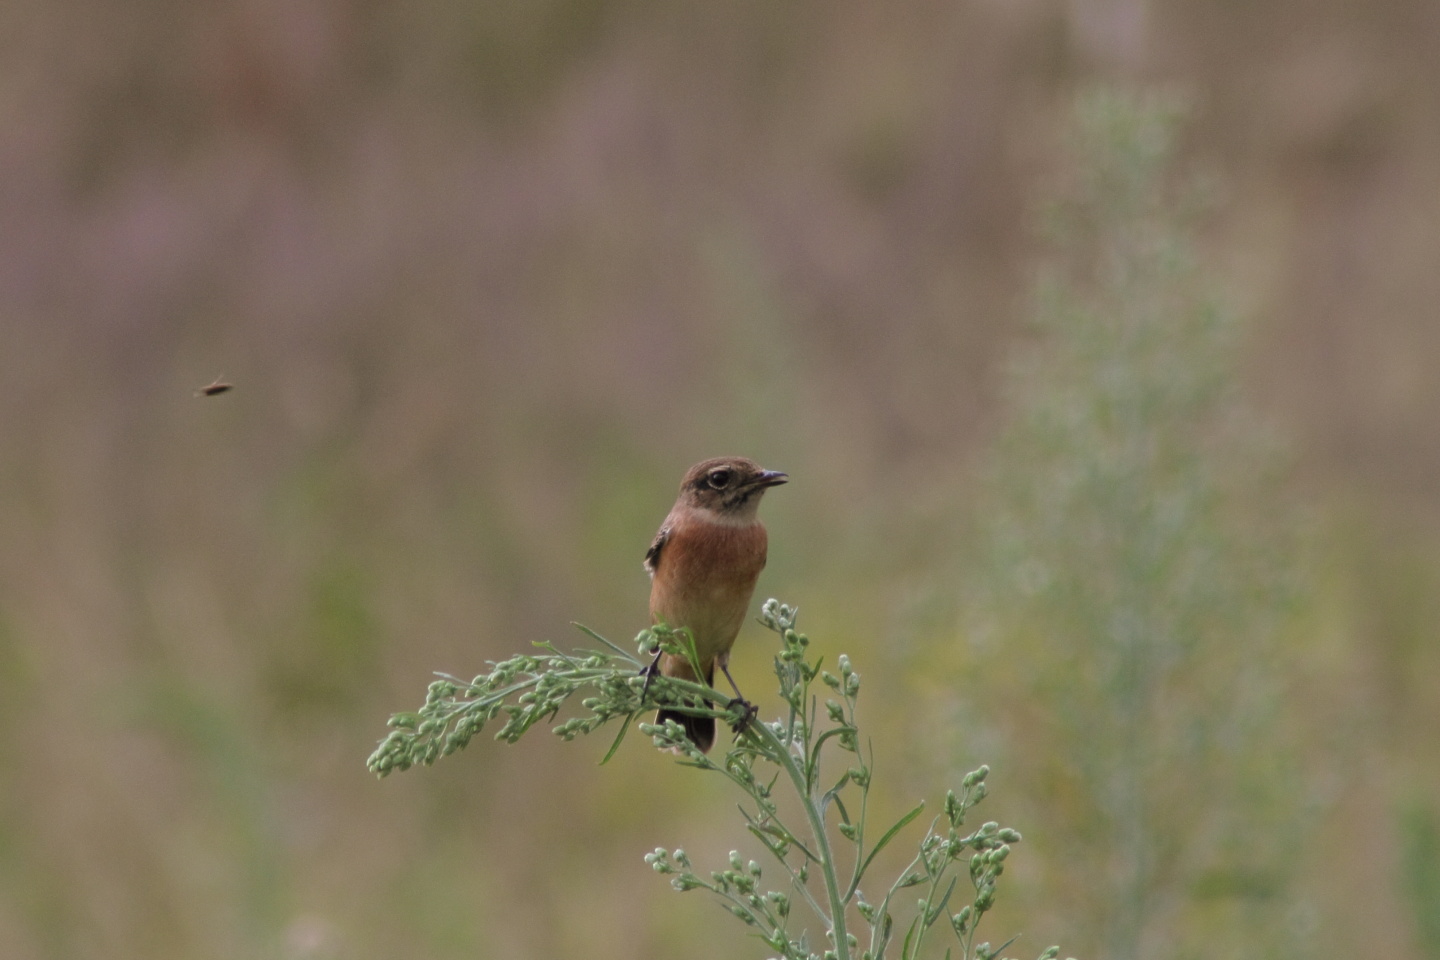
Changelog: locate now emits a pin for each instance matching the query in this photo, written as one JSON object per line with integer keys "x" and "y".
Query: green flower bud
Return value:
{"x": 953, "y": 811}
{"x": 743, "y": 914}
{"x": 985, "y": 898}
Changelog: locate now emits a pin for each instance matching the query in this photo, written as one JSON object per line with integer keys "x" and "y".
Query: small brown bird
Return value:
{"x": 703, "y": 566}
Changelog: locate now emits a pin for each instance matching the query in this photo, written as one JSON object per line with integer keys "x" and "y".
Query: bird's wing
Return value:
{"x": 652, "y": 556}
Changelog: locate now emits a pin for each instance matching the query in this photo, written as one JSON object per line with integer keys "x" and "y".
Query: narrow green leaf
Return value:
{"x": 887, "y": 928}
{"x": 595, "y": 636}
{"x": 905, "y": 953}
{"x": 777, "y": 829}
{"x": 934, "y": 913}
{"x": 832, "y": 732}
{"x": 833, "y": 794}
{"x": 619, "y": 738}
{"x": 889, "y": 835}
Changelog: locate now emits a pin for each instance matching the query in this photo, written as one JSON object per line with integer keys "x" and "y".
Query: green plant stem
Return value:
{"x": 526, "y": 690}
{"x": 781, "y": 755}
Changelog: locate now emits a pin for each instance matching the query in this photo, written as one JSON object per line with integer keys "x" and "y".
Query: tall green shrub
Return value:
{"x": 1133, "y": 570}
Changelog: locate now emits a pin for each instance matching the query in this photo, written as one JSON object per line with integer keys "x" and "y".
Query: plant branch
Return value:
{"x": 527, "y": 689}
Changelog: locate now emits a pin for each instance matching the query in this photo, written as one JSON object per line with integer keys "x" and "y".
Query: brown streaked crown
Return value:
{"x": 728, "y": 484}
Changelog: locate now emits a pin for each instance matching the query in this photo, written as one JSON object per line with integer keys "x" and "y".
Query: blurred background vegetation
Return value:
{"x": 489, "y": 276}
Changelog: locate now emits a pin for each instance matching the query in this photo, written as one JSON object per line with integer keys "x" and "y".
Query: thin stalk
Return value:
{"x": 782, "y": 756}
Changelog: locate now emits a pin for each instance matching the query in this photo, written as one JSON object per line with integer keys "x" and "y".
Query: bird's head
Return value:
{"x": 729, "y": 488}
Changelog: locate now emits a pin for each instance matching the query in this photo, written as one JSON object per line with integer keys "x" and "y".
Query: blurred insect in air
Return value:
{"x": 214, "y": 389}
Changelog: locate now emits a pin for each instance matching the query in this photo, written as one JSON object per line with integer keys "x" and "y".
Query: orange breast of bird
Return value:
{"x": 704, "y": 581}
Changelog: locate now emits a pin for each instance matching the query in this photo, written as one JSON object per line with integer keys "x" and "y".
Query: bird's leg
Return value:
{"x": 649, "y": 673}
{"x": 749, "y": 711}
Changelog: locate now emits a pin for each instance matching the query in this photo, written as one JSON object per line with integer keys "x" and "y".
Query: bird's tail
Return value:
{"x": 700, "y": 730}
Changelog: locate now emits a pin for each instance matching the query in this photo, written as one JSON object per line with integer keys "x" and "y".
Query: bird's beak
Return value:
{"x": 771, "y": 478}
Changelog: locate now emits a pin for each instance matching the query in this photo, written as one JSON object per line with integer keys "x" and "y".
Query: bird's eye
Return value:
{"x": 718, "y": 479}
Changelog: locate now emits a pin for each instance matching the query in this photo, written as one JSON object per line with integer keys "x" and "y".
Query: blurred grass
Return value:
{"x": 1420, "y": 865}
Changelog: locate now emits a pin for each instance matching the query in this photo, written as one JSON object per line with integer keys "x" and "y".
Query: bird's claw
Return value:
{"x": 748, "y": 712}
{"x": 649, "y": 672}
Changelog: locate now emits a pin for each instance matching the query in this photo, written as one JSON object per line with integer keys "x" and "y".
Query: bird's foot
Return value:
{"x": 747, "y": 712}
{"x": 649, "y": 672}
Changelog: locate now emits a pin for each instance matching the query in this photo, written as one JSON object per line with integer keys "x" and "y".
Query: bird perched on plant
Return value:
{"x": 703, "y": 566}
